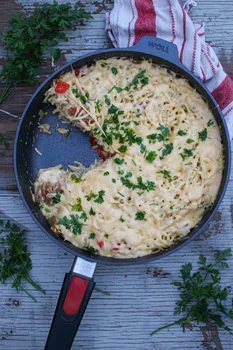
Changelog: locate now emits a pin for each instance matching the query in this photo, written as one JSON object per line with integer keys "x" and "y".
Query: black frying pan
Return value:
{"x": 57, "y": 149}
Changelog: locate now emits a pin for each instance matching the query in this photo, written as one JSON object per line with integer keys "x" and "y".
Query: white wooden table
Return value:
{"x": 142, "y": 297}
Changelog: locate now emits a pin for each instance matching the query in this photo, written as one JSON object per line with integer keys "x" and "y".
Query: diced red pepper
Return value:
{"x": 72, "y": 110}
{"x": 102, "y": 153}
{"x": 93, "y": 141}
{"x": 77, "y": 72}
{"x": 115, "y": 248}
{"x": 61, "y": 87}
{"x": 100, "y": 244}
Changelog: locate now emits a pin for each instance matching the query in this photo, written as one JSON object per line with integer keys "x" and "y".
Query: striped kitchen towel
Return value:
{"x": 169, "y": 20}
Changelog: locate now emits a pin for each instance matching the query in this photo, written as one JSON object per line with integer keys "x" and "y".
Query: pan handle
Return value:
{"x": 75, "y": 294}
{"x": 158, "y": 47}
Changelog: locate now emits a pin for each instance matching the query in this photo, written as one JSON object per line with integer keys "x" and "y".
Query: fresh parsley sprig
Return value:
{"x": 202, "y": 299}
{"x": 15, "y": 261}
{"x": 28, "y": 39}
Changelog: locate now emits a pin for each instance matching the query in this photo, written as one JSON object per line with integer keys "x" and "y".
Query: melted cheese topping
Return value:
{"x": 166, "y": 167}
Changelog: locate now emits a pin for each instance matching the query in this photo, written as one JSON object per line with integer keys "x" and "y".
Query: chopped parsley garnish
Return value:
{"x": 190, "y": 141}
{"x": 203, "y": 135}
{"x": 134, "y": 162}
{"x": 106, "y": 173}
{"x": 118, "y": 88}
{"x": 92, "y": 212}
{"x": 166, "y": 174}
{"x": 140, "y": 215}
{"x": 122, "y": 149}
{"x": 210, "y": 123}
{"x": 119, "y": 161}
{"x": 57, "y": 198}
{"x": 165, "y": 131}
{"x": 92, "y": 250}
{"x": 75, "y": 178}
{"x": 100, "y": 198}
{"x": 140, "y": 75}
{"x": 136, "y": 123}
{"x": 127, "y": 123}
{"x": 181, "y": 133}
{"x": 106, "y": 235}
{"x": 171, "y": 207}
{"x": 92, "y": 236}
{"x": 142, "y": 148}
{"x": 90, "y": 196}
{"x": 120, "y": 194}
{"x": 80, "y": 95}
{"x": 121, "y": 219}
{"x": 73, "y": 223}
{"x": 112, "y": 110}
{"x": 114, "y": 181}
{"x": 78, "y": 206}
{"x": 140, "y": 193}
{"x": 107, "y": 100}
{"x": 120, "y": 172}
{"x": 148, "y": 186}
{"x": 128, "y": 175}
{"x": 114, "y": 70}
{"x": 187, "y": 152}
{"x": 151, "y": 156}
{"x": 98, "y": 104}
{"x": 47, "y": 210}
{"x": 167, "y": 150}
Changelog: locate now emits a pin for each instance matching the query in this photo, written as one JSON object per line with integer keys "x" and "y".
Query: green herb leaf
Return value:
{"x": 75, "y": 178}
{"x": 151, "y": 156}
{"x": 4, "y": 138}
{"x": 203, "y": 135}
{"x": 122, "y": 149}
{"x": 92, "y": 212}
{"x": 92, "y": 250}
{"x": 106, "y": 173}
{"x": 107, "y": 100}
{"x": 100, "y": 198}
{"x": 140, "y": 215}
{"x": 190, "y": 141}
{"x": 57, "y": 198}
{"x": 90, "y": 196}
{"x": 106, "y": 235}
{"x": 92, "y": 236}
{"x": 210, "y": 123}
{"x": 112, "y": 110}
{"x": 181, "y": 133}
{"x": 121, "y": 219}
{"x": 114, "y": 70}
{"x": 128, "y": 175}
{"x": 73, "y": 223}
{"x": 165, "y": 131}
{"x": 167, "y": 150}
{"x": 78, "y": 206}
{"x": 119, "y": 161}
{"x": 166, "y": 174}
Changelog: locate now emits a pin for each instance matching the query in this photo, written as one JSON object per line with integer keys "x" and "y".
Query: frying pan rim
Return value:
{"x": 153, "y": 256}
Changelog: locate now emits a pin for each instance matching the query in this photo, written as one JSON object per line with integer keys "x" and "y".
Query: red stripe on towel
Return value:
{"x": 146, "y": 21}
{"x": 173, "y": 21}
{"x": 223, "y": 94}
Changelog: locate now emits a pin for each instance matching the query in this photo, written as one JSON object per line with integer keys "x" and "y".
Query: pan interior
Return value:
{"x": 58, "y": 149}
